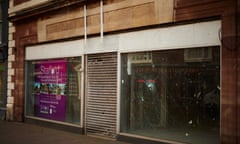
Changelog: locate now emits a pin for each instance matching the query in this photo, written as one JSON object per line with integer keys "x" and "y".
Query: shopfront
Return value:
{"x": 161, "y": 84}
{"x": 171, "y": 84}
{"x": 172, "y": 94}
{"x": 73, "y": 84}
{"x": 55, "y": 92}
{"x": 54, "y": 84}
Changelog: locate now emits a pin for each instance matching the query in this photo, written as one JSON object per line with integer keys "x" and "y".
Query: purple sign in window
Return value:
{"x": 49, "y": 88}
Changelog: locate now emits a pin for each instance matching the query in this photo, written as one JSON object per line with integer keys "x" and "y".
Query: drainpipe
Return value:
{"x": 83, "y": 99}
{"x": 101, "y": 18}
{"x": 85, "y": 21}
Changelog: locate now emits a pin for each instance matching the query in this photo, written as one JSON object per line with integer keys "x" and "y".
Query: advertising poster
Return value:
{"x": 49, "y": 87}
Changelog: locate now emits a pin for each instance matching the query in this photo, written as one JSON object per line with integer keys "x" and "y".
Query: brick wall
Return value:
{"x": 26, "y": 34}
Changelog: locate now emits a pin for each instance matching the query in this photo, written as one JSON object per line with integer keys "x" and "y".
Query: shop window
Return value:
{"x": 172, "y": 94}
{"x": 54, "y": 89}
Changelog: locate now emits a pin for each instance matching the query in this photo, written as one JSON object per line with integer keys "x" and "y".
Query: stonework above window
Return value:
{"x": 17, "y": 2}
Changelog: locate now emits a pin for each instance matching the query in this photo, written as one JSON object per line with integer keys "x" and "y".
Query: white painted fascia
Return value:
{"x": 55, "y": 50}
{"x": 175, "y": 37}
{"x": 101, "y": 45}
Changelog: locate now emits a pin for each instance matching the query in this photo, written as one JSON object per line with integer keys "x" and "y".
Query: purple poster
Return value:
{"x": 50, "y": 83}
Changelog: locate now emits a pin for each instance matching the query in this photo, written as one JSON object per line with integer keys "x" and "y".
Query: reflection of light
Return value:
{"x": 52, "y": 71}
{"x": 150, "y": 85}
{"x": 190, "y": 122}
{"x": 142, "y": 99}
{"x": 141, "y": 81}
{"x": 147, "y": 81}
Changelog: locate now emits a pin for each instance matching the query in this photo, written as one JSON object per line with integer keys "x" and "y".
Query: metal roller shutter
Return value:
{"x": 101, "y": 108}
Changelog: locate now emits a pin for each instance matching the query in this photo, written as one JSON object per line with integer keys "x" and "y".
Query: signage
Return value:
{"x": 50, "y": 89}
{"x": 140, "y": 58}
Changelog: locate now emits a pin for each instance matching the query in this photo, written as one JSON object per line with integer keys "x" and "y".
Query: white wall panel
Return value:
{"x": 101, "y": 45}
{"x": 55, "y": 50}
{"x": 183, "y": 36}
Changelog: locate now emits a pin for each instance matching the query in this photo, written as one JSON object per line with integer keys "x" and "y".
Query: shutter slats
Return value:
{"x": 102, "y": 94}
{"x": 107, "y": 94}
{"x": 101, "y": 127}
{"x": 96, "y": 109}
{"x": 101, "y": 111}
{"x": 103, "y": 90}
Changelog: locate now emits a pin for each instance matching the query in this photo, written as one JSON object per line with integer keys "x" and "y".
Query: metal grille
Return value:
{"x": 102, "y": 94}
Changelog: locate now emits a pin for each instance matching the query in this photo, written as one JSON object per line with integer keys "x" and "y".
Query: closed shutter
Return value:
{"x": 101, "y": 109}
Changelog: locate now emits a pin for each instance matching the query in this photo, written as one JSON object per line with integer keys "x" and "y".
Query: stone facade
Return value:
{"x": 65, "y": 20}
{"x": 11, "y": 72}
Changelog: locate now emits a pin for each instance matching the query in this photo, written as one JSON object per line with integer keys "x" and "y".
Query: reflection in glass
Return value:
{"x": 173, "y": 94}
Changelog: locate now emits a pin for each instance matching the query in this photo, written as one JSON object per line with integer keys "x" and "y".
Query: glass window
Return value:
{"x": 53, "y": 89}
{"x": 172, "y": 94}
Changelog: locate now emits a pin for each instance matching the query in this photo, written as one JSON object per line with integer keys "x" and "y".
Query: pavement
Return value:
{"x": 23, "y": 133}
